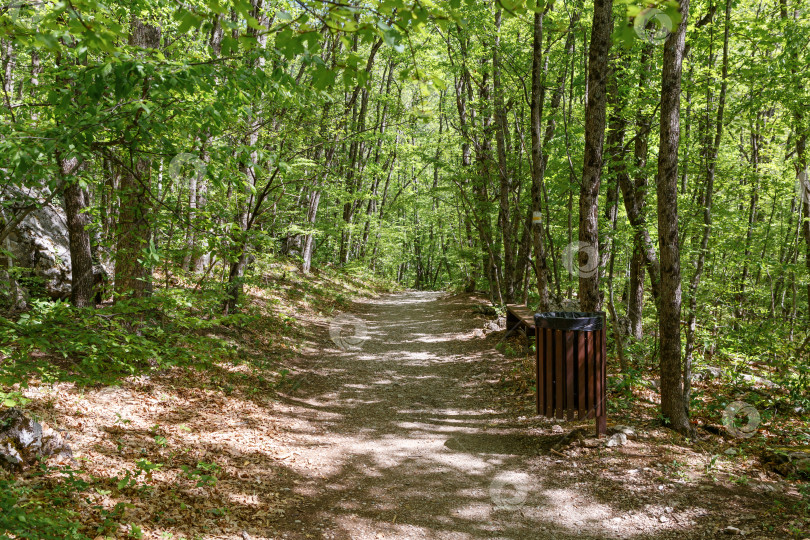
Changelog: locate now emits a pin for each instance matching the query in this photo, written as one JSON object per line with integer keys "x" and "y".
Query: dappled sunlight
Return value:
{"x": 378, "y": 443}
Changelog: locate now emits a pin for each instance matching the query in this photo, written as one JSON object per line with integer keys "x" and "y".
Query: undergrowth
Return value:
{"x": 180, "y": 327}
{"x": 40, "y": 507}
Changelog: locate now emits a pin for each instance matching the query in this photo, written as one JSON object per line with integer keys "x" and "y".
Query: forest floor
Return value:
{"x": 410, "y": 432}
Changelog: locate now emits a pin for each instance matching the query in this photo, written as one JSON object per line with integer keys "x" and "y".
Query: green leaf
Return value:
{"x": 229, "y": 46}
{"x": 188, "y": 21}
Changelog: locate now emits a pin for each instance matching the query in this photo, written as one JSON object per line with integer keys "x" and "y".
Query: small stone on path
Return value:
{"x": 619, "y": 439}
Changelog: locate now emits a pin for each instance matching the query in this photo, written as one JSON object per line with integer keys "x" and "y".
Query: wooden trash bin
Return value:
{"x": 570, "y": 367}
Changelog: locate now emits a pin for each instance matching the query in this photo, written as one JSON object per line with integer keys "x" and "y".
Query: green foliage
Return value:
{"x": 13, "y": 398}
{"x": 38, "y": 508}
{"x": 92, "y": 346}
{"x": 204, "y": 474}
{"x": 139, "y": 478}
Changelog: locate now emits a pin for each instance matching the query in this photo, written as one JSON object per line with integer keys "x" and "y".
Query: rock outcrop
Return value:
{"x": 40, "y": 250}
{"x": 39, "y": 245}
{"x": 23, "y": 441}
{"x": 788, "y": 460}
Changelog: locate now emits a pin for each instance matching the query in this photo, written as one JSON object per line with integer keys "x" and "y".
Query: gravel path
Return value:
{"x": 397, "y": 438}
{"x": 416, "y": 428}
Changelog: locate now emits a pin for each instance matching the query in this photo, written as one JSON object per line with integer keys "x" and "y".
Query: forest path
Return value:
{"x": 399, "y": 439}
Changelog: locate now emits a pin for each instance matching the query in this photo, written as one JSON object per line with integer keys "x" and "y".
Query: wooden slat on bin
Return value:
{"x": 570, "y": 367}
{"x": 597, "y": 371}
{"x": 559, "y": 388}
{"x": 571, "y": 371}
{"x": 538, "y": 373}
{"x": 581, "y": 375}
{"x": 549, "y": 372}
{"x": 589, "y": 369}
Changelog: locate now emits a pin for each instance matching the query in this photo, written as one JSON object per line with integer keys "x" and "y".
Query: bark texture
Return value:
{"x": 589, "y": 297}
{"x": 537, "y": 97}
{"x": 669, "y": 326}
{"x": 81, "y": 260}
{"x": 132, "y": 273}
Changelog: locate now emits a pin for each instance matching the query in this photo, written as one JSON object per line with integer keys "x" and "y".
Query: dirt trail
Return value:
{"x": 412, "y": 434}
{"x": 398, "y": 439}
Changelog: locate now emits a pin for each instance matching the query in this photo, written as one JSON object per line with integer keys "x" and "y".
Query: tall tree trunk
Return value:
{"x": 635, "y": 302}
{"x": 635, "y": 202}
{"x": 669, "y": 323}
{"x": 7, "y": 61}
{"x": 483, "y": 155}
{"x": 81, "y": 258}
{"x": 589, "y": 296}
{"x": 132, "y": 275}
{"x": 194, "y": 180}
{"x": 756, "y": 148}
{"x": 616, "y": 168}
{"x": 504, "y": 218}
{"x": 801, "y": 150}
{"x": 312, "y": 212}
{"x": 537, "y": 98}
{"x": 801, "y": 130}
{"x": 234, "y": 287}
{"x": 615, "y": 165}
{"x": 356, "y": 155}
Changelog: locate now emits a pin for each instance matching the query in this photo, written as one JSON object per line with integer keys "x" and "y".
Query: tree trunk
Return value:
{"x": 635, "y": 201}
{"x": 756, "y": 146}
{"x": 801, "y": 152}
{"x": 81, "y": 259}
{"x": 589, "y": 296}
{"x": 669, "y": 325}
{"x": 312, "y": 212}
{"x": 504, "y": 217}
{"x": 234, "y": 289}
{"x": 537, "y": 97}
{"x": 248, "y": 211}
{"x": 132, "y": 274}
{"x": 356, "y": 155}
{"x": 615, "y": 165}
{"x": 635, "y": 304}
{"x": 193, "y": 182}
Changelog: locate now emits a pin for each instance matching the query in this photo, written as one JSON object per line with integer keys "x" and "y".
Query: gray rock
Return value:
{"x": 629, "y": 431}
{"x": 10, "y": 456}
{"x": 758, "y": 380}
{"x": 803, "y": 467}
{"x": 40, "y": 245}
{"x": 707, "y": 372}
{"x": 617, "y": 439}
{"x": 22, "y": 441}
{"x": 14, "y": 296}
{"x": 788, "y": 460}
{"x": 732, "y": 530}
{"x": 591, "y": 443}
{"x": 40, "y": 242}
{"x": 495, "y": 326}
{"x": 489, "y": 311}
